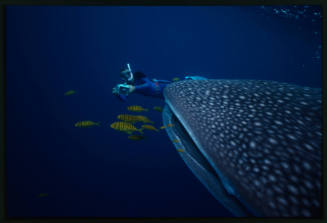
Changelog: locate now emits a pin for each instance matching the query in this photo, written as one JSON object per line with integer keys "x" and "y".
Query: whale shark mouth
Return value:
{"x": 199, "y": 165}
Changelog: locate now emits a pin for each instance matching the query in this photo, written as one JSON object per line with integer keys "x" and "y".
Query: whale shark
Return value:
{"x": 256, "y": 145}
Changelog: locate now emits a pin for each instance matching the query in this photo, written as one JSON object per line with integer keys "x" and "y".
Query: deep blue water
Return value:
{"x": 98, "y": 171}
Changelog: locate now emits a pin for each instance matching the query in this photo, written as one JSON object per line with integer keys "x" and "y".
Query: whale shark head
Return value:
{"x": 255, "y": 145}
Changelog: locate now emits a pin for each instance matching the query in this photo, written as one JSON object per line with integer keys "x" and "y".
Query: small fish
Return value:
{"x": 70, "y": 92}
{"x": 136, "y": 137}
{"x": 128, "y": 118}
{"x": 125, "y": 127}
{"x": 157, "y": 108}
{"x": 134, "y": 118}
{"x": 176, "y": 140}
{"x": 169, "y": 125}
{"x": 181, "y": 150}
{"x": 136, "y": 108}
{"x": 42, "y": 195}
{"x": 149, "y": 127}
{"x": 175, "y": 79}
{"x": 144, "y": 119}
{"x": 83, "y": 124}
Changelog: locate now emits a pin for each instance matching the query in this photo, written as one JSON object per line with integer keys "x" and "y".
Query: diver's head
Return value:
{"x": 127, "y": 76}
{"x": 139, "y": 75}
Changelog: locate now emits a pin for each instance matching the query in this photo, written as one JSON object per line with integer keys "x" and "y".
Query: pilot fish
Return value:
{"x": 136, "y": 108}
{"x": 42, "y": 195}
{"x": 175, "y": 140}
{"x": 83, "y": 124}
{"x": 134, "y": 118}
{"x": 255, "y": 145}
{"x": 149, "y": 127}
{"x": 125, "y": 127}
{"x": 70, "y": 92}
{"x": 168, "y": 125}
{"x": 144, "y": 119}
{"x": 157, "y": 108}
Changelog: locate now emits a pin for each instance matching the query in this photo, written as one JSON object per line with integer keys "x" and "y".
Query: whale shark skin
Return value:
{"x": 255, "y": 145}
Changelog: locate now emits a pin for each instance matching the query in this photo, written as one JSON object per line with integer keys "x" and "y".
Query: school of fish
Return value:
{"x": 126, "y": 123}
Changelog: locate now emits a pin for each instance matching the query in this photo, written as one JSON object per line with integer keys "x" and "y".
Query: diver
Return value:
{"x": 139, "y": 83}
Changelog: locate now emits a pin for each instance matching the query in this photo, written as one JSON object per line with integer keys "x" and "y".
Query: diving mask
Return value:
{"x": 127, "y": 75}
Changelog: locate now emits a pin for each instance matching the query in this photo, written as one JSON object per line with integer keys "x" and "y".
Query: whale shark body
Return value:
{"x": 255, "y": 145}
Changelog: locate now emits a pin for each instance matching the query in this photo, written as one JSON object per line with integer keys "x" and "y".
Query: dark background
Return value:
{"x": 98, "y": 171}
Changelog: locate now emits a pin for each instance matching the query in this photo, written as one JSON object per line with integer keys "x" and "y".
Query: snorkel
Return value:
{"x": 127, "y": 75}
{"x": 128, "y": 79}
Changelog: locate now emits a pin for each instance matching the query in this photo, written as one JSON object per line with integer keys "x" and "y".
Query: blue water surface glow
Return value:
{"x": 99, "y": 172}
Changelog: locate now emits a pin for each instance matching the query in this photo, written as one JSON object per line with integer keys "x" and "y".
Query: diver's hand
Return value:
{"x": 131, "y": 88}
{"x": 115, "y": 90}
{"x": 119, "y": 89}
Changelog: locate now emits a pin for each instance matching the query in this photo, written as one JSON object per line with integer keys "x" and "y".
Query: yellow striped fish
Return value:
{"x": 83, "y": 124}
{"x": 136, "y": 108}
{"x": 134, "y": 118}
{"x": 144, "y": 119}
{"x": 169, "y": 125}
{"x": 70, "y": 92}
{"x": 149, "y": 127}
{"x": 157, "y": 108}
{"x": 181, "y": 150}
{"x": 125, "y": 127}
{"x": 176, "y": 140}
{"x": 175, "y": 79}
{"x": 128, "y": 118}
{"x": 43, "y": 195}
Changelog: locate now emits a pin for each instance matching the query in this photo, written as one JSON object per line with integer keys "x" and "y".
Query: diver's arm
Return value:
{"x": 139, "y": 87}
{"x": 131, "y": 88}
{"x": 164, "y": 81}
